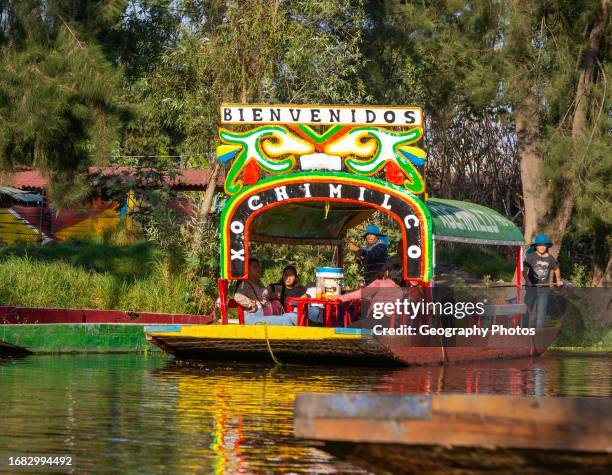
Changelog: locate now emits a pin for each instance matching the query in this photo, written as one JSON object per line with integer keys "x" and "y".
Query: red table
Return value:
{"x": 328, "y": 305}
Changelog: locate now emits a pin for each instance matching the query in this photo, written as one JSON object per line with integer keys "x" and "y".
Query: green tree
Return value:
{"x": 248, "y": 51}
{"x": 557, "y": 68}
{"x": 59, "y": 106}
{"x": 447, "y": 56}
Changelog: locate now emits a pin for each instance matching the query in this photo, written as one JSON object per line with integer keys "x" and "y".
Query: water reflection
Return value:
{"x": 152, "y": 415}
{"x": 544, "y": 376}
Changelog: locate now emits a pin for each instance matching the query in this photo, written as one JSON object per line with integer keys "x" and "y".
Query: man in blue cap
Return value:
{"x": 539, "y": 268}
{"x": 373, "y": 256}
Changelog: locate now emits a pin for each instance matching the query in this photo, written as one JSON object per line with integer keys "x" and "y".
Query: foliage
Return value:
{"x": 448, "y": 57}
{"x": 479, "y": 261}
{"x": 584, "y": 166}
{"x": 60, "y": 104}
{"x": 123, "y": 262}
{"x": 94, "y": 275}
{"x": 251, "y": 51}
{"x": 139, "y": 83}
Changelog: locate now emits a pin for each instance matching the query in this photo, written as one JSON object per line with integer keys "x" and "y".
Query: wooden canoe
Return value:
{"x": 336, "y": 346}
{"x": 59, "y": 330}
{"x": 459, "y": 433}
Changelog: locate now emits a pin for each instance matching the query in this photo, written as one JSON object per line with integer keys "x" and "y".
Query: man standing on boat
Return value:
{"x": 373, "y": 256}
{"x": 539, "y": 268}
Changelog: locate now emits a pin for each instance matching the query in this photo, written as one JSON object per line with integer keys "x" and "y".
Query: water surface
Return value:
{"x": 137, "y": 414}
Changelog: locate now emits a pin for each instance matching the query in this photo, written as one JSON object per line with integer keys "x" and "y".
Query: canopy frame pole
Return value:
{"x": 340, "y": 255}
{"x": 223, "y": 299}
{"x": 519, "y": 268}
{"x": 433, "y": 261}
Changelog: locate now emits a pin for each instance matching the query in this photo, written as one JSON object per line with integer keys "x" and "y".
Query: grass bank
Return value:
{"x": 94, "y": 275}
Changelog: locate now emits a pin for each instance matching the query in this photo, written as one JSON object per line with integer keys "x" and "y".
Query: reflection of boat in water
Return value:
{"x": 244, "y": 413}
{"x": 458, "y": 433}
{"x": 521, "y": 376}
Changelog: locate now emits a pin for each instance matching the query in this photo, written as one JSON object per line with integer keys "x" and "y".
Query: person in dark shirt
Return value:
{"x": 373, "y": 256}
{"x": 289, "y": 285}
{"x": 539, "y": 268}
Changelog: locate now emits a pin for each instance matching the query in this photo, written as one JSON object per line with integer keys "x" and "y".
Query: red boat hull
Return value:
{"x": 31, "y": 315}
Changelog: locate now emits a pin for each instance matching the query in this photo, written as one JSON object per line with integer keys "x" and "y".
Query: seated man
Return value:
{"x": 254, "y": 298}
{"x": 386, "y": 288}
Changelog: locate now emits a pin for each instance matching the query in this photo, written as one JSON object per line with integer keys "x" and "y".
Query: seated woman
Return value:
{"x": 254, "y": 297}
{"x": 290, "y": 286}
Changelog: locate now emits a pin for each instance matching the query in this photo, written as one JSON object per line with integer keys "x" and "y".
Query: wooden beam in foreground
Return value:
{"x": 457, "y": 420}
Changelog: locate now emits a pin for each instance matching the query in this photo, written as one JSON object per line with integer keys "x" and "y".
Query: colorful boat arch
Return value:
{"x": 243, "y": 214}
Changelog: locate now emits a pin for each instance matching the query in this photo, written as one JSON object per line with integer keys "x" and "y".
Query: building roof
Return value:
{"x": 20, "y": 196}
{"x": 28, "y": 179}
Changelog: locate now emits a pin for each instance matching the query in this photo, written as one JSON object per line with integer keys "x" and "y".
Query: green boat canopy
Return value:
{"x": 308, "y": 223}
{"x": 460, "y": 221}
{"x": 452, "y": 220}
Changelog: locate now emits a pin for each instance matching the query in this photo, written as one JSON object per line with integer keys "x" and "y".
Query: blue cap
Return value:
{"x": 541, "y": 240}
{"x": 372, "y": 229}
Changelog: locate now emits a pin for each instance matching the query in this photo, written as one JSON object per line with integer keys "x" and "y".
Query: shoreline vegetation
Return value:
{"x": 140, "y": 276}
{"x": 132, "y": 277}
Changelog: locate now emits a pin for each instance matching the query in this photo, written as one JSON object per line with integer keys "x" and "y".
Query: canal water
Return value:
{"x": 150, "y": 414}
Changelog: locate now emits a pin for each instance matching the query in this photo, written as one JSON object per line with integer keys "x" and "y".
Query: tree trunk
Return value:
{"x": 602, "y": 276}
{"x": 526, "y": 119}
{"x": 203, "y": 210}
{"x": 587, "y": 75}
{"x": 602, "y": 261}
{"x": 209, "y": 194}
{"x": 535, "y": 190}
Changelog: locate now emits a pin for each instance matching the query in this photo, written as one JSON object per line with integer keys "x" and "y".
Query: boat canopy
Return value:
{"x": 307, "y": 222}
{"x": 459, "y": 221}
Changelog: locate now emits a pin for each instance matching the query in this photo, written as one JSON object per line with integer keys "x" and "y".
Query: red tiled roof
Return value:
{"x": 186, "y": 178}
{"x": 31, "y": 179}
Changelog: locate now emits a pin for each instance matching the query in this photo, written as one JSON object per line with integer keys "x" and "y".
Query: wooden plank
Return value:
{"x": 581, "y": 424}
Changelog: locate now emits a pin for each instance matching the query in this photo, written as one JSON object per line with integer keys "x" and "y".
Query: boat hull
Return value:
{"x": 39, "y": 330}
{"x": 333, "y": 345}
{"x": 263, "y": 343}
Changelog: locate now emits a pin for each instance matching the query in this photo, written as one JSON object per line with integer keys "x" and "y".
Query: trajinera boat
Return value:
{"x": 305, "y": 175}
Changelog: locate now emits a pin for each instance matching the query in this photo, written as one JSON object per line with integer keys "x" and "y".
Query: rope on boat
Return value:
{"x": 269, "y": 346}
